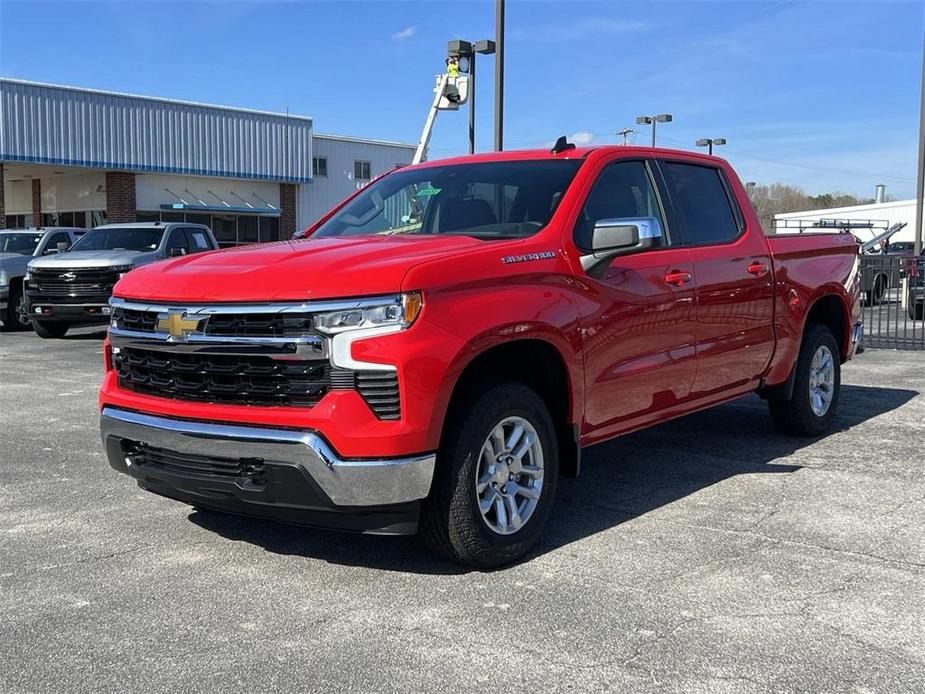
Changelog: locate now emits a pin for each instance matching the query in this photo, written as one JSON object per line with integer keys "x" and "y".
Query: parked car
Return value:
{"x": 439, "y": 349}
{"x": 75, "y": 288}
{"x": 17, "y": 248}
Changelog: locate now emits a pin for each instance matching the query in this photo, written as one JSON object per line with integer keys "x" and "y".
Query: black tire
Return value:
{"x": 795, "y": 415}
{"x": 15, "y": 311}
{"x": 916, "y": 311}
{"x": 49, "y": 329}
{"x": 451, "y": 523}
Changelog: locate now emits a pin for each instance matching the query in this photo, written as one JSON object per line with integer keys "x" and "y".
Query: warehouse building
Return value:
{"x": 80, "y": 157}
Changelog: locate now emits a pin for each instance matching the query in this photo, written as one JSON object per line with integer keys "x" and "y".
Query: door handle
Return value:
{"x": 758, "y": 269}
{"x": 677, "y": 278}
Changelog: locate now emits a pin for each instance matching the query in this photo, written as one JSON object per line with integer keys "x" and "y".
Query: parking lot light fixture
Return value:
{"x": 653, "y": 120}
{"x": 710, "y": 142}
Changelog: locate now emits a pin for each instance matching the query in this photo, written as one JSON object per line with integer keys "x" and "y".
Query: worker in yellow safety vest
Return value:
{"x": 452, "y": 66}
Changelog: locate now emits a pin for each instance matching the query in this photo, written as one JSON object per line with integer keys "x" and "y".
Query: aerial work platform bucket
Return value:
{"x": 455, "y": 91}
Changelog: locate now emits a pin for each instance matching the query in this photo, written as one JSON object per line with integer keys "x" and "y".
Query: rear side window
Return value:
{"x": 198, "y": 240}
{"x": 700, "y": 203}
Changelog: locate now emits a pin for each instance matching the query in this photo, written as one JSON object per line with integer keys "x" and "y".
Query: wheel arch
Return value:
{"x": 538, "y": 364}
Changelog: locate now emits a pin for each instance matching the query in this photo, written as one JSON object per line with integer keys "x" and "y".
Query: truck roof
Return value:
{"x": 576, "y": 153}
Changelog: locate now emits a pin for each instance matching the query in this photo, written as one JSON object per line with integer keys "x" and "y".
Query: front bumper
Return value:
{"x": 288, "y": 475}
{"x": 92, "y": 308}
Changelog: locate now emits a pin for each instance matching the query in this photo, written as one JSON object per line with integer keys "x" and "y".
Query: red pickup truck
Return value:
{"x": 437, "y": 351}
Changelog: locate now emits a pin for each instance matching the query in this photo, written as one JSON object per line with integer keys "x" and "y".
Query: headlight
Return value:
{"x": 400, "y": 311}
{"x": 27, "y": 277}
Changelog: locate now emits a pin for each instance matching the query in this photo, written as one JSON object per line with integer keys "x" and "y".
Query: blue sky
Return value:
{"x": 823, "y": 95}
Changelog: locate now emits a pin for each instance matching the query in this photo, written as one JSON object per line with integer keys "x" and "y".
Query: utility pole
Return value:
{"x": 709, "y": 142}
{"x": 625, "y": 133}
{"x": 499, "y": 75}
{"x": 920, "y": 182}
{"x": 652, "y": 120}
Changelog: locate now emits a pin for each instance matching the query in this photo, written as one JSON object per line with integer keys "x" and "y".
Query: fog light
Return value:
{"x": 106, "y": 310}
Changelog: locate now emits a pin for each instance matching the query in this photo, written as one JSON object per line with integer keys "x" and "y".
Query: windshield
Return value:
{"x": 489, "y": 200}
{"x": 123, "y": 239}
{"x": 24, "y": 244}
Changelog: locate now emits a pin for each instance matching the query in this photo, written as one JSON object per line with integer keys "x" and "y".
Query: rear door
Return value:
{"x": 732, "y": 270}
{"x": 638, "y": 317}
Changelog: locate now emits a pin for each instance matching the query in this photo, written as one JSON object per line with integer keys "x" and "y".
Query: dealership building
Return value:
{"x": 80, "y": 157}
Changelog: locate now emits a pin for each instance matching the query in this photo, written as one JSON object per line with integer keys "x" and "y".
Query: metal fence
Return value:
{"x": 892, "y": 294}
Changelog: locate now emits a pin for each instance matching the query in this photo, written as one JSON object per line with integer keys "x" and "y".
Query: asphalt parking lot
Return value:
{"x": 709, "y": 554}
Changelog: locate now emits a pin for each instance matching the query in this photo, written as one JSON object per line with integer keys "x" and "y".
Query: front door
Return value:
{"x": 638, "y": 309}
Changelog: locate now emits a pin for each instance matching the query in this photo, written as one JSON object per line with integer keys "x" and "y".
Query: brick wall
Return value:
{"x": 36, "y": 202}
{"x": 120, "y": 197}
{"x": 287, "y": 197}
{"x": 2, "y": 200}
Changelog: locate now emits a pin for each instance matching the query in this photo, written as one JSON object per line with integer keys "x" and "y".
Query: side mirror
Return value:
{"x": 63, "y": 246}
{"x": 614, "y": 237}
{"x": 175, "y": 252}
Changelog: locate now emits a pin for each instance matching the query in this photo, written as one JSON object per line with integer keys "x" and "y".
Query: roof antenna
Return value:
{"x": 562, "y": 145}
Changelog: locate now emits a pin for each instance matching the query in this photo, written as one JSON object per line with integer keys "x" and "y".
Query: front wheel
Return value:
{"x": 496, "y": 477}
{"x": 49, "y": 329}
{"x": 816, "y": 389}
{"x": 17, "y": 318}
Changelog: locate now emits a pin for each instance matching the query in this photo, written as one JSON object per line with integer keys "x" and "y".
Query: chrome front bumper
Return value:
{"x": 345, "y": 482}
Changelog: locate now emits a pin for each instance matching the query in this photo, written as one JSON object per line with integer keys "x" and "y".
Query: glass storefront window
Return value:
{"x": 229, "y": 229}
{"x": 247, "y": 229}
{"x": 269, "y": 229}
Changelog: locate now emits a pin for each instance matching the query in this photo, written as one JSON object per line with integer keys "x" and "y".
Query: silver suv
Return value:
{"x": 17, "y": 248}
{"x": 75, "y": 287}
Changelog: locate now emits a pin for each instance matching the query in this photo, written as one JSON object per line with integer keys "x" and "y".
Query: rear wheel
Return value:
{"x": 817, "y": 385}
{"x": 877, "y": 292}
{"x": 49, "y": 329}
{"x": 16, "y": 317}
{"x": 496, "y": 477}
{"x": 916, "y": 311}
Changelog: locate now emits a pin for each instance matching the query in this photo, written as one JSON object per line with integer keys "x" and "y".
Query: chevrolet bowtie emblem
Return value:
{"x": 178, "y": 325}
{"x": 68, "y": 276}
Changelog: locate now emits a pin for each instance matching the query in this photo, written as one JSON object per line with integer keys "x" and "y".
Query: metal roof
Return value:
{"x": 69, "y": 126}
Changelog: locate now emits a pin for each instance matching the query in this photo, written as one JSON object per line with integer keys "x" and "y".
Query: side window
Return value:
{"x": 198, "y": 241}
{"x": 361, "y": 170}
{"x": 177, "y": 240}
{"x": 622, "y": 190}
{"x": 701, "y": 203}
{"x": 55, "y": 239}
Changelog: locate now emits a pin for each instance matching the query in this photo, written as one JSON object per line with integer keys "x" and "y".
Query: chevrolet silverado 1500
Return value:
{"x": 437, "y": 351}
{"x": 74, "y": 288}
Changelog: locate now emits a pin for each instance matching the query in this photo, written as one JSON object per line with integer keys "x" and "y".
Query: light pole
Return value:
{"x": 709, "y": 142}
{"x": 652, "y": 120}
{"x": 499, "y": 75}
{"x": 625, "y": 133}
{"x": 466, "y": 51}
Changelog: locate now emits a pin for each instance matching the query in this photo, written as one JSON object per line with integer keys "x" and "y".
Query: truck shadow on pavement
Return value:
{"x": 620, "y": 480}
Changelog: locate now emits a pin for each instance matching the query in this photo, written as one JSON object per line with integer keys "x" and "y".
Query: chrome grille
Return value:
{"x": 63, "y": 281}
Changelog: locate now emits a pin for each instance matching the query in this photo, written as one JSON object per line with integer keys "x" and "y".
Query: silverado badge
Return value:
{"x": 178, "y": 325}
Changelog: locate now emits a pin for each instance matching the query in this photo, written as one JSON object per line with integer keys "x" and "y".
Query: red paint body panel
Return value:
{"x": 636, "y": 349}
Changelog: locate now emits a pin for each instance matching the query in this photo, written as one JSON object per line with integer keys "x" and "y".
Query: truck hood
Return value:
{"x": 79, "y": 259}
{"x": 290, "y": 270}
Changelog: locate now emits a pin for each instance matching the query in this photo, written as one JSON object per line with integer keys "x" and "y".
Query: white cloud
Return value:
{"x": 404, "y": 34}
{"x": 581, "y": 138}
